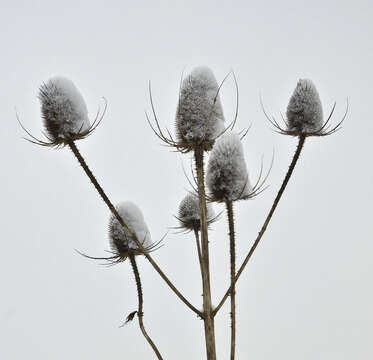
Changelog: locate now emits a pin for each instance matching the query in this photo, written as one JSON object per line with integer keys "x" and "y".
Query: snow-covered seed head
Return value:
{"x": 121, "y": 242}
{"x": 199, "y": 116}
{"x": 64, "y": 111}
{"x": 227, "y": 178}
{"x": 304, "y": 112}
{"x": 189, "y": 213}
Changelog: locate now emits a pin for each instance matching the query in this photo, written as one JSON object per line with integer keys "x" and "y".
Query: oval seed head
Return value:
{"x": 199, "y": 116}
{"x": 227, "y": 178}
{"x": 64, "y": 110}
{"x": 189, "y": 213}
{"x": 304, "y": 112}
{"x": 121, "y": 241}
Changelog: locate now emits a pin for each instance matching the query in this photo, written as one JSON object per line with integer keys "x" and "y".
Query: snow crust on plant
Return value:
{"x": 63, "y": 109}
{"x": 304, "y": 112}
{"x": 227, "y": 178}
{"x": 189, "y": 212}
{"x": 199, "y": 114}
{"x": 120, "y": 240}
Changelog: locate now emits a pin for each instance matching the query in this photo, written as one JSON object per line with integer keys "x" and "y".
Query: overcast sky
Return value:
{"x": 306, "y": 294}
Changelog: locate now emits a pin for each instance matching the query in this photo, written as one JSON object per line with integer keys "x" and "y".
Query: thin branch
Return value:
{"x": 232, "y": 249}
{"x": 99, "y": 189}
{"x": 140, "y": 313}
{"x": 198, "y": 245}
{"x": 298, "y": 151}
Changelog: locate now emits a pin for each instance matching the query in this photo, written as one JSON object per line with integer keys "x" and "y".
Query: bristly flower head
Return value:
{"x": 189, "y": 213}
{"x": 199, "y": 116}
{"x": 63, "y": 109}
{"x": 227, "y": 178}
{"x": 304, "y": 114}
{"x": 64, "y": 113}
{"x": 121, "y": 241}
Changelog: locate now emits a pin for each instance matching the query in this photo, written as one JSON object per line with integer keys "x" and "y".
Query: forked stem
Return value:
{"x": 208, "y": 317}
{"x": 232, "y": 248}
{"x": 99, "y": 189}
{"x": 140, "y": 313}
{"x": 297, "y": 153}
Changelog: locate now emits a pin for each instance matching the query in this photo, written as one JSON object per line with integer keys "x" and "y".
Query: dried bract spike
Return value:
{"x": 304, "y": 112}
{"x": 227, "y": 178}
{"x": 189, "y": 213}
{"x": 64, "y": 110}
{"x": 199, "y": 116}
{"x": 121, "y": 241}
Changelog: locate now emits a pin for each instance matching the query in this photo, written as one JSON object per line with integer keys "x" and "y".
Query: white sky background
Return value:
{"x": 306, "y": 294}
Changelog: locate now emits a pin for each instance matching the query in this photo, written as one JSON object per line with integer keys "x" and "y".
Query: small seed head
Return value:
{"x": 304, "y": 112}
{"x": 64, "y": 110}
{"x": 121, "y": 241}
{"x": 227, "y": 178}
{"x": 189, "y": 213}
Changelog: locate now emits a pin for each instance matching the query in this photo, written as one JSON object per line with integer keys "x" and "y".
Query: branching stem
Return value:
{"x": 104, "y": 197}
{"x": 232, "y": 248}
{"x": 140, "y": 313}
{"x": 301, "y": 141}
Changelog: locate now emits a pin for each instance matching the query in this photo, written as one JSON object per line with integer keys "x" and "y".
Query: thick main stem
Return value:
{"x": 208, "y": 317}
{"x": 104, "y": 197}
{"x": 301, "y": 141}
{"x": 140, "y": 313}
{"x": 232, "y": 248}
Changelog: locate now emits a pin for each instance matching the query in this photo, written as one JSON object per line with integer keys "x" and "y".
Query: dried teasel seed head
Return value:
{"x": 304, "y": 112}
{"x": 199, "y": 116}
{"x": 64, "y": 111}
{"x": 121, "y": 241}
{"x": 227, "y": 178}
{"x": 189, "y": 213}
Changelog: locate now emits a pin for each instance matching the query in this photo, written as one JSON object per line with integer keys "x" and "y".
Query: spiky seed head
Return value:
{"x": 120, "y": 240}
{"x": 64, "y": 110}
{"x": 304, "y": 112}
{"x": 199, "y": 116}
{"x": 227, "y": 178}
{"x": 189, "y": 213}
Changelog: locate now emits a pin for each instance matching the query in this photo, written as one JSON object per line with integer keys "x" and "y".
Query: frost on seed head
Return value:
{"x": 304, "y": 112}
{"x": 64, "y": 110}
{"x": 199, "y": 116}
{"x": 189, "y": 213}
{"x": 121, "y": 241}
{"x": 227, "y": 178}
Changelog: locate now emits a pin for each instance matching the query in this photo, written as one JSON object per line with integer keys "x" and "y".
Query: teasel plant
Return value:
{"x": 123, "y": 246}
{"x": 200, "y": 128}
{"x": 228, "y": 181}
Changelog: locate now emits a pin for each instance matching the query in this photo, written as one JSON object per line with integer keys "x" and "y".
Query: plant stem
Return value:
{"x": 232, "y": 247}
{"x": 301, "y": 141}
{"x": 207, "y": 305}
{"x": 196, "y": 235}
{"x": 140, "y": 313}
{"x": 99, "y": 189}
